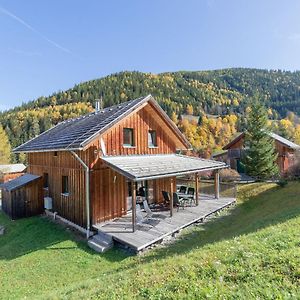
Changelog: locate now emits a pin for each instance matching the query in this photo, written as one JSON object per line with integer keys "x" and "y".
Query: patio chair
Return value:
{"x": 140, "y": 219}
{"x": 182, "y": 189}
{"x": 191, "y": 194}
{"x": 166, "y": 197}
{"x": 147, "y": 208}
{"x": 191, "y": 191}
{"x": 178, "y": 202}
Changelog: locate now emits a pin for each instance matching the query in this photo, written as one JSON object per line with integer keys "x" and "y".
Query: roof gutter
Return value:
{"x": 87, "y": 192}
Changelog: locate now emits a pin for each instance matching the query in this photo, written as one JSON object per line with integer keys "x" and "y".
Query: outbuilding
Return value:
{"x": 23, "y": 196}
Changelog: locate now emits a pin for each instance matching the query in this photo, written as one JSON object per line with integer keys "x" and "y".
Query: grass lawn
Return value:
{"x": 250, "y": 251}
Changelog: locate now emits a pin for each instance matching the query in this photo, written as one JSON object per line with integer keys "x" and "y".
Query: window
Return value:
{"x": 55, "y": 154}
{"x": 46, "y": 180}
{"x": 152, "y": 138}
{"x": 128, "y": 138}
{"x": 65, "y": 185}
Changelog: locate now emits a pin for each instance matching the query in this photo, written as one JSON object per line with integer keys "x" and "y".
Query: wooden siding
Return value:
{"x": 284, "y": 159}
{"x": 23, "y": 202}
{"x": 71, "y": 206}
{"x": 142, "y": 121}
{"x": 108, "y": 194}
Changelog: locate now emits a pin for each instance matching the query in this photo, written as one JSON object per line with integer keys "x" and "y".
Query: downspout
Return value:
{"x": 87, "y": 192}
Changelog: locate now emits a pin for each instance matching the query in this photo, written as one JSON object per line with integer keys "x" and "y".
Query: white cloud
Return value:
{"x": 28, "y": 26}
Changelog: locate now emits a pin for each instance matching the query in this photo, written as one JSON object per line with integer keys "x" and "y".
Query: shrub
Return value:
{"x": 282, "y": 182}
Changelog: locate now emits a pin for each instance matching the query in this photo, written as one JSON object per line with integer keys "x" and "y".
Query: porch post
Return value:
{"x": 217, "y": 184}
{"x": 197, "y": 188}
{"x": 171, "y": 198}
{"x": 133, "y": 206}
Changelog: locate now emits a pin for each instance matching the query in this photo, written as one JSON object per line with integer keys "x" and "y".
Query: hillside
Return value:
{"x": 248, "y": 252}
{"x": 220, "y": 92}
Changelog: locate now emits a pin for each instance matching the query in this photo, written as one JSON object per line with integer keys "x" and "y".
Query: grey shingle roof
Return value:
{"x": 275, "y": 136}
{"x": 284, "y": 141}
{"x": 143, "y": 167}
{"x": 12, "y": 168}
{"x": 19, "y": 182}
{"x": 74, "y": 134}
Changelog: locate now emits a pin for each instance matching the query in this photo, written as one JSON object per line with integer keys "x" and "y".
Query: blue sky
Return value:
{"x": 50, "y": 45}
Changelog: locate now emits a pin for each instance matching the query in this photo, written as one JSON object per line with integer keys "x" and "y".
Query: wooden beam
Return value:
{"x": 171, "y": 198}
{"x": 217, "y": 184}
{"x": 197, "y": 188}
{"x": 133, "y": 206}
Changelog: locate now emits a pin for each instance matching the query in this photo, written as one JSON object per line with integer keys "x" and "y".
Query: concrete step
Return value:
{"x": 100, "y": 243}
{"x": 102, "y": 236}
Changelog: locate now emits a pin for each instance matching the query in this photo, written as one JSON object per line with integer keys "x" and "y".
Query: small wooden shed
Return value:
{"x": 23, "y": 196}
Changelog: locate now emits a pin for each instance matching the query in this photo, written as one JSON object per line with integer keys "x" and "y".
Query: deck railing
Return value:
{"x": 207, "y": 187}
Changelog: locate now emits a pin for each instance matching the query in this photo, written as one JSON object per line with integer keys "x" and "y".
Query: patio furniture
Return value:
{"x": 166, "y": 197}
{"x": 191, "y": 194}
{"x": 182, "y": 189}
{"x": 178, "y": 202}
{"x": 140, "y": 219}
{"x": 147, "y": 208}
{"x": 191, "y": 191}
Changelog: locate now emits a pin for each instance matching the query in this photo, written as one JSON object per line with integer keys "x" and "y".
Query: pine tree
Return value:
{"x": 260, "y": 159}
{"x": 4, "y": 147}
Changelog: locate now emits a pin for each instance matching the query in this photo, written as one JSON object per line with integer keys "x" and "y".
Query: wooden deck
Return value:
{"x": 161, "y": 225}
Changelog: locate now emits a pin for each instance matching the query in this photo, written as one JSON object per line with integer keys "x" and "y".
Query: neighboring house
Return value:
{"x": 92, "y": 166}
{"x": 236, "y": 149}
{"x": 11, "y": 171}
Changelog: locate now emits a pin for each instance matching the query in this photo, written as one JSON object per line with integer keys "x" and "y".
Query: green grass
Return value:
{"x": 250, "y": 251}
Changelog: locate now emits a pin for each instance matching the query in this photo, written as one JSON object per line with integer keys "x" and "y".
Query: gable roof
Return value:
{"x": 75, "y": 134}
{"x": 284, "y": 141}
{"x": 12, "y": 168}
{"x": 19, "y": 182}
{"x": 275, "y": 136}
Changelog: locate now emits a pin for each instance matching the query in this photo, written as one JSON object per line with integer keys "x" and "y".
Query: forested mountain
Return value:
{"x": 221, "y": 92}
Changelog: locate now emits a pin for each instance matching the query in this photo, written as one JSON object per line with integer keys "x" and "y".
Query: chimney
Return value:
{"x": 98, "y": 104}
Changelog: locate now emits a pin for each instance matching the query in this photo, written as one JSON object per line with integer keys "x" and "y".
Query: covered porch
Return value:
{"x": 160, "y": 225}
{"x": 139, "y": 228}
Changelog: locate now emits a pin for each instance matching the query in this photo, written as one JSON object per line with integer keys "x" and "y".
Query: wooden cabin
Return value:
{"x": 11, "y": 171}
{"x": 22, "y": 197}
{"x": 93, "y": 166}
{"x": 236, "y": 149}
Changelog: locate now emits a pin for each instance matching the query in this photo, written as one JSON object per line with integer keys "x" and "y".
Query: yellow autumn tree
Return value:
{"x": 5, "y": 149}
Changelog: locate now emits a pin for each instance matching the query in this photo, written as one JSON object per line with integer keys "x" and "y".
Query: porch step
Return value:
{"x": 101, "y": 242}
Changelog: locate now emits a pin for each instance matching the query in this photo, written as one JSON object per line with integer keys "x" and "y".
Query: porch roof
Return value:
{"x": 143, "y": 167}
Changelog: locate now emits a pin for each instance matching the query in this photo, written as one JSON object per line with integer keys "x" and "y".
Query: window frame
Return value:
{"x": 131, "y": 130}
{"x": 152, "y": 145}
{"x": 65, "y": 188}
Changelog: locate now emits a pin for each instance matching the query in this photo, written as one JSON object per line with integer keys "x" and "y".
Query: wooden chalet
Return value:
{"x": 92, "y": 166}
{"x": 236, "y": 149}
